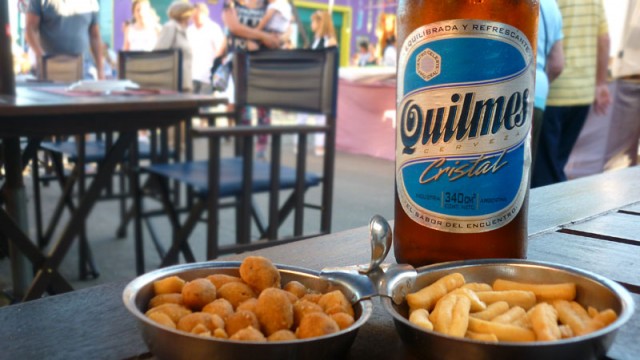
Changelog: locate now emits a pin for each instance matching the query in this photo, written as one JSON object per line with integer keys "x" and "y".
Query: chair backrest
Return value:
{"x": 62, "y": 68}
{"x": 158, "y": 69}
{"x": 301, "y": 80}
{"x": 294, "y": 80}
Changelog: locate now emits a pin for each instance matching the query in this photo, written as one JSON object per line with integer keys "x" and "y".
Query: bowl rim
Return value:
{"x": 132, "y": 289}
{"x": 622, "y": 294}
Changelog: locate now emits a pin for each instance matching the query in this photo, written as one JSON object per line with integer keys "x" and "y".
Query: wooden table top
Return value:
{"x": 591, "y": 223}
{"x": 39, "y": 110}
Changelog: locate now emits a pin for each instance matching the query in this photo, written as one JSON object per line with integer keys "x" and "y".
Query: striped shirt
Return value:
{"x": 583, "y": 22}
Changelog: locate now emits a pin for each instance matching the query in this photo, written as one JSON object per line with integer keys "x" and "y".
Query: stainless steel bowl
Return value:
{"x": 592, "y": 290}
{"x": 166, "y": 343}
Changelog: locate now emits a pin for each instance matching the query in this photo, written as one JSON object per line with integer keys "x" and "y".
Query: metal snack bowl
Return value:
{"x": 167, "y": 343}
{"x": 592, "y": 290}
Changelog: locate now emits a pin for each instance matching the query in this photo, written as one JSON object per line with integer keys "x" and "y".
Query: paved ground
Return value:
{"x": 363, "y": 187}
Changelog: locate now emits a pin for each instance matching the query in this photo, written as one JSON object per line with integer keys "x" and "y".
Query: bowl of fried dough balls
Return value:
{"x": 510, "y": 309}
{"x": 244, "y": 310}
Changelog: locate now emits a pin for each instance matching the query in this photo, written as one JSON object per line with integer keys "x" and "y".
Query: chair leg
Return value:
{"x": 181, "y": 236}
{"x": 85, "y": 258}
{"x": 37, "y": 200}
{"x": 258, "y": 217}
{"x": 66, "y": 184}
{"x": 180, "y": 232}
{"x": 123, "y": 202}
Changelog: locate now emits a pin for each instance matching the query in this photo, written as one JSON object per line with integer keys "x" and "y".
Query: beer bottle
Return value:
{"x": 464, "y": 110}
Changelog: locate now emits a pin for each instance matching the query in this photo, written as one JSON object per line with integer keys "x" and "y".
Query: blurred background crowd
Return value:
{"x": 587, "y": 101}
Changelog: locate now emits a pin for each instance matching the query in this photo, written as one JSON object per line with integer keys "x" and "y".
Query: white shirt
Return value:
{"x": 141, "y": 39}
{"x": 279, "y": 22}
{"x": 205, "y": 44}
{"x": 389, "y": 56}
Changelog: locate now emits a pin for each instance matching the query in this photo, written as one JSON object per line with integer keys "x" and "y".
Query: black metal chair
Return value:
{"x": 156, "y": 70}
{"x": 294, "y": 80}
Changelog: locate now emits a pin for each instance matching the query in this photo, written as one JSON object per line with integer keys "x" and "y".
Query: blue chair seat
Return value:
{"x": 195, "y": 174}
{"x": 94, "y": 150}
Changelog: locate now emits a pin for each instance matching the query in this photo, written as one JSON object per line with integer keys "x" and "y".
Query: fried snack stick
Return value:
{"x": 504, "y": 332}
{"x": 544, "y": 292}
{"x": 451, "y": 315}
{"x": 544, "y": 320}
{"x": 427, "y": 297}
{"x": 420, "y": 317}
{"x": 476, "y": 304}
{"x": 492, "y": 311}
{"x": 481, "y": 336}
{"x": 565, "y": 331}
{"x": 604, "y": 318}
{"x": 477, "y": 287}
{"x": 511, "y": 316}
{"x": 524, "y": 299}
{"x": 574, "y": 315}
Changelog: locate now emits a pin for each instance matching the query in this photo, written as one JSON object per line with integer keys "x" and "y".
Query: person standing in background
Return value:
{"x": 549, "y": 64}
{"x": 390, "y": 54}
{"x": 207, "y": 43}
{"x": 66, "y": 27}
{"x": 583, "y": 83}
{"x": 624, "y": 137}
{"x": 277, "y": 19}
{"x": 174, "y": 36}
{"x": 142, "y": 33}
{"x": 324, "y": 36}
{"x": 241, "y": 17}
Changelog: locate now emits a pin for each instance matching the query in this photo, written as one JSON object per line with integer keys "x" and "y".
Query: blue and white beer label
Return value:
{"x": 464, "y": 112}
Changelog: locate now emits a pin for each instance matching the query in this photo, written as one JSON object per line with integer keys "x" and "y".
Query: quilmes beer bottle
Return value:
{"x": 464, "y": 110}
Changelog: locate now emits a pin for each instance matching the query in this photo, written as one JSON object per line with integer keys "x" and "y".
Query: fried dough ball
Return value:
{"x": 162, "y": 319}
{"x": 260, "y": 273}
{"x": 211, "y": 322}
{"x": 248, "y": 334}
{"x": 171, "y": 284}
{"x": 316, "y": 324}
{"x": 174, "y": 311}
{"x": 201, "y": 330}
{"x": 249, "y": 305}
{"x": 282, "y": 335}
{"x": 343, "y": 320}
{"x": 303, "y": 307}
{"x": 172, "y": 298}
{"x": 240, "y": 320}
{"x": 313, "y": 297}
{"x": 274, "y": 310}
{"x": 220, "y": 334}
{"x": 236, "y": 293}
{"x": 334, "y": 302}
{"x": 296, "y": 288}
{"x": 220, "y": 279}
{"x": 292, "y": 297}
{"x": 220, "y": 307}
{"x": 198, "y": 293}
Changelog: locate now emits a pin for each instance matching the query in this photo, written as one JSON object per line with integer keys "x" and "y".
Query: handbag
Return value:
{"x": 221, "y": 73}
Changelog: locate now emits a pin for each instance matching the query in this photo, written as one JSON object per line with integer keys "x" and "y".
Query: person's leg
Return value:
{"x": 572, "y": 124}
{"x": 622, "y": 142}
{"x": 545, "y": 168}
{"x": 535, "y": 134}
{"x": 264, "y": 118}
